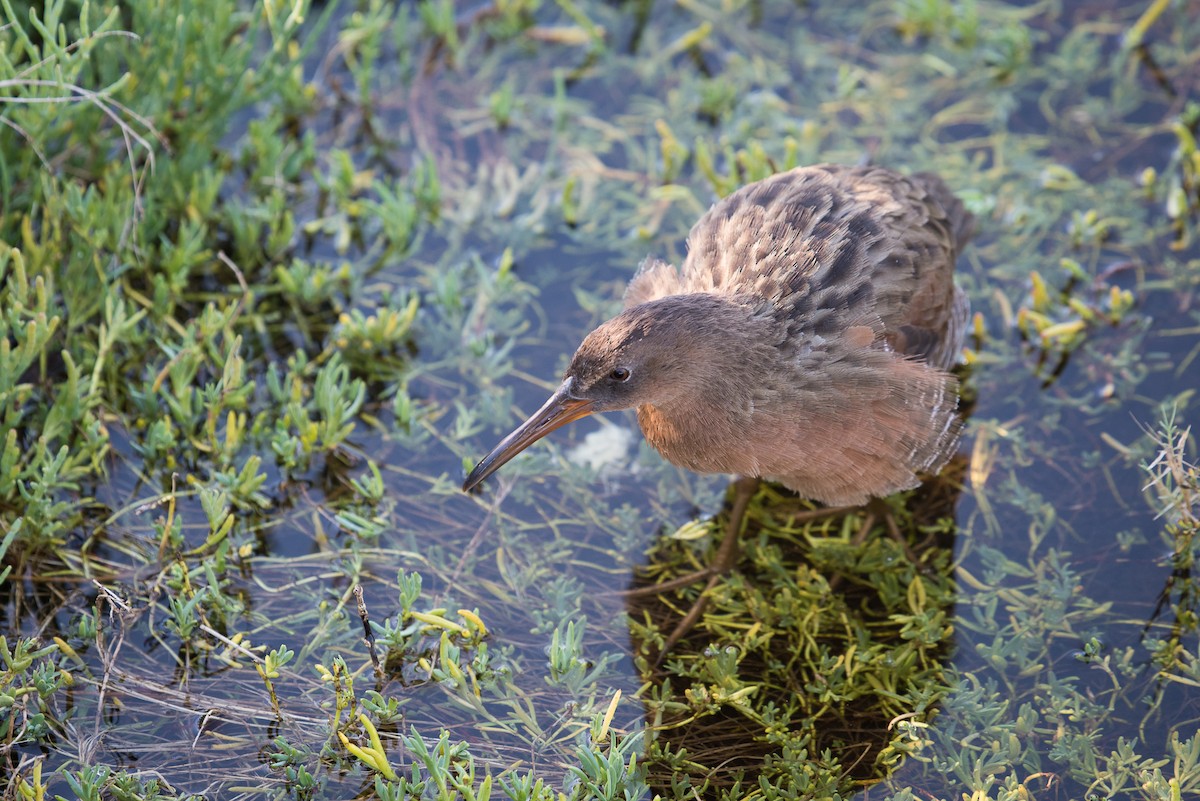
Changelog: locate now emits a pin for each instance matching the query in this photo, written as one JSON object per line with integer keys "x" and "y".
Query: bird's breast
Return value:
{"x": 698, "y": 438}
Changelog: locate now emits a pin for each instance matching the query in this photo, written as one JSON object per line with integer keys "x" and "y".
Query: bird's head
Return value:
{"x": 651, "y": 353}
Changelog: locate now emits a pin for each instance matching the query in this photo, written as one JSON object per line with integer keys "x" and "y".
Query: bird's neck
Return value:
{"x": 698, "y": 433}
{"x": 699, "y": 416}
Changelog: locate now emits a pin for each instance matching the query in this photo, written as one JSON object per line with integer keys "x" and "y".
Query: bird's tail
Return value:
{"x": 962, "y": 222}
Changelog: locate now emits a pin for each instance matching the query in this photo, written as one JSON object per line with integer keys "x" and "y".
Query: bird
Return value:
{"x": 807, "y": 338}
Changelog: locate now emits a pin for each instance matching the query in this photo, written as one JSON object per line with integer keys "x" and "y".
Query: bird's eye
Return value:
{"x": 619, "y": 374}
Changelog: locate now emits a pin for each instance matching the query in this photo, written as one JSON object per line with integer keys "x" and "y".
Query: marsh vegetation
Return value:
{"x": 273, "y": 273}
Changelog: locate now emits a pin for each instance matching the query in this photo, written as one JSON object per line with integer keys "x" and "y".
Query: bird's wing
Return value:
{"x": 926, "y": 314}
{"x": 826, "y": 246}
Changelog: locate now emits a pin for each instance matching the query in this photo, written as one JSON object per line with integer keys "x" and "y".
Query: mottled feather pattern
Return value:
{"x": 819, "y": 251}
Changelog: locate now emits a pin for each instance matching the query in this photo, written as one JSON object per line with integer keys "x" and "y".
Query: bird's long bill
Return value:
{"x": 555, "y": 413}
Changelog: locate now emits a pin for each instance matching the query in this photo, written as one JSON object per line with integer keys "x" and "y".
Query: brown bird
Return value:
{"x": 806, "y": 339}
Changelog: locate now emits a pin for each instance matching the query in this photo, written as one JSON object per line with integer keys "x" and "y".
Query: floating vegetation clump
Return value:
{"x": 272, "y": 272}
{"x": 815, "y": 662}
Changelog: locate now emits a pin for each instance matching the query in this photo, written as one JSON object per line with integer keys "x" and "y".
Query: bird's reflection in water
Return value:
{"x": 810, "y": 651}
